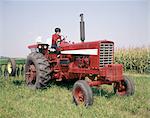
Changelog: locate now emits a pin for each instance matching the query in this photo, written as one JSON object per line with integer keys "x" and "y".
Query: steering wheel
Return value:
{"x": 58, "y": 42}
{"x": 63, "y": 37}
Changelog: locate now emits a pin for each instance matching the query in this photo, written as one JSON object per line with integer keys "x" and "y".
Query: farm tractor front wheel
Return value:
{"x": 82, "y": 93}
{"x": 37, "y": 71}
{"x": 125, "y": 87}
{"x": 11, "y": 67}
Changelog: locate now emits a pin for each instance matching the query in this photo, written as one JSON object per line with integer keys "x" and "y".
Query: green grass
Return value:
{"x": 18, "y": 101}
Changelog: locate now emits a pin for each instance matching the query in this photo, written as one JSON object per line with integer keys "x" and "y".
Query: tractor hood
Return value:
{"x": 83, "y": 48}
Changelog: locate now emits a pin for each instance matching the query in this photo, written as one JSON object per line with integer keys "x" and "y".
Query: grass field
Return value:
{"x": 18, "y": 101}
{"x": 18, "y": 61}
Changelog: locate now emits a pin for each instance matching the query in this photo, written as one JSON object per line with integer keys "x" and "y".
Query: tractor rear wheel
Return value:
{"x": 37, "y": 71}
{"x": 11, "y": 67}
{"x": 82, "y": 93}
{"x": 125, "y": 87}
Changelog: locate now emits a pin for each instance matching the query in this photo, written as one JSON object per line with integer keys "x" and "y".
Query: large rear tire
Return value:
{"x": 11, "y": 67}
{"x": 82, "y": 93}
{"x": 37, "y": 71}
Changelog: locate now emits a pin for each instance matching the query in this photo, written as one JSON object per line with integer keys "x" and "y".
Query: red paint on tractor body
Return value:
{"x": 95, "y": 61}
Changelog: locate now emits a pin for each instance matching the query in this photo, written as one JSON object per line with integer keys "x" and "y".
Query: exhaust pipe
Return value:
{"x": 82, "y": 29}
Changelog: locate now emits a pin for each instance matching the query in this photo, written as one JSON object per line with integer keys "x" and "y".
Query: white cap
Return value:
{"x": 39, "y": 39}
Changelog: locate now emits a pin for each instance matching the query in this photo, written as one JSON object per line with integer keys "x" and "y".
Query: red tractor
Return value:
{"x": 90, "y": 63}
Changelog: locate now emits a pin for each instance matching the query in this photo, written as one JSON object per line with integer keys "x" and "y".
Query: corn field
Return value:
{"x": 134, "y": 59}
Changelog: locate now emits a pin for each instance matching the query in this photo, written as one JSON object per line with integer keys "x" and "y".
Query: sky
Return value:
{"x": 126, "y": 22}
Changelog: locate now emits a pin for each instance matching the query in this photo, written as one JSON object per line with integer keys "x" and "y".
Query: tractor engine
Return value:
{"x": 82, "y": 61}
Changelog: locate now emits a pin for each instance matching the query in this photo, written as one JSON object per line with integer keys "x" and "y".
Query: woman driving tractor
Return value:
{"x": 56, "y": 38}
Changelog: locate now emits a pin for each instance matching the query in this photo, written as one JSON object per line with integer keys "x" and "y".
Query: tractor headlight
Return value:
{"x": 45, "y": 46}
{"x": 39, "y": 46}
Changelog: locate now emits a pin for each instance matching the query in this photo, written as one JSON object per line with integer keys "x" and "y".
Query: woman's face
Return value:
{"x": 58, "y": 33}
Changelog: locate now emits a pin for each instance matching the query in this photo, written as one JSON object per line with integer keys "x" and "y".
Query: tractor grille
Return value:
{"x": 106, "y": 54}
